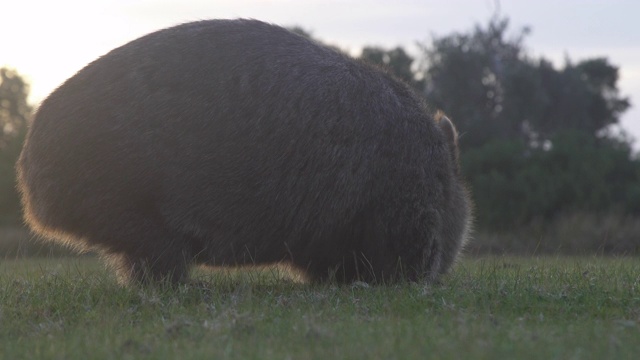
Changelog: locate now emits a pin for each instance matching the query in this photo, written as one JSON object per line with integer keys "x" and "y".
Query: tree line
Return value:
{"x": 536, "y": 141}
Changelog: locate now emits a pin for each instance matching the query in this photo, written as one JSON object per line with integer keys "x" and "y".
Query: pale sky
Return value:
{"x": 47, "y": 41}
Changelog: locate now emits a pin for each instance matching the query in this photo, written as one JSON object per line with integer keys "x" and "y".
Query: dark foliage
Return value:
{"x": 486, "y": 82}
{"x": 396, "y": 61}
{"x": 514, "y": 184}
{"x": 14, "y": 112}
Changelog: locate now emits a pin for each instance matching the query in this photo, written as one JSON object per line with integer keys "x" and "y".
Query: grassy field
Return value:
{"x": 488, "y": 308}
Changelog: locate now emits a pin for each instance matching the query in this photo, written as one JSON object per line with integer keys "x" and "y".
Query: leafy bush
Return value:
{"x": 513, "y": 184}
{"x": 14, "y": 112}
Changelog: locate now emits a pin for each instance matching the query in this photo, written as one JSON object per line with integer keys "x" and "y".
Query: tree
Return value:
{"x": 466, "y": 76}
{"x": 14, "y": 109}
{"x": 535, "y": 141}
{"x": 396, "y": 61}
{"x": 14, "y": 113}
{"x": 493, "y": 90}
{"x": 584, "y": 97}
{"x": 300, "y": 31}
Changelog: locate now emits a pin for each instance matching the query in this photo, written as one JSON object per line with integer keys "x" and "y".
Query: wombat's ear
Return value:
{"x": 449, "y": 131}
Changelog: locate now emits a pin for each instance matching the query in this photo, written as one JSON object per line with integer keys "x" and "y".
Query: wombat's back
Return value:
{"x": 235, "y": 141}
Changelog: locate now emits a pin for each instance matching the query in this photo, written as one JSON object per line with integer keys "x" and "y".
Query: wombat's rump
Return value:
{"x": 232, "y": 142}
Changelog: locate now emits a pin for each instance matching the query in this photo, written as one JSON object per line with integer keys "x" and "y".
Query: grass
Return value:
{"x": 488, "y": 308}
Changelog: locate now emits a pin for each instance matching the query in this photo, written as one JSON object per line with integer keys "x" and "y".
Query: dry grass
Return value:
{"x": 574, "y": 234}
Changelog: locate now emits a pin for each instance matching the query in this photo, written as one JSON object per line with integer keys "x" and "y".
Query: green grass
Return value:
{"x": 488, "y": 308}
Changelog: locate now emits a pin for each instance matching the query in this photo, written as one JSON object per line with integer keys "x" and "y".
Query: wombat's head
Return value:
{"x": 450, "y": 133}
{"x": 458, "y": 211}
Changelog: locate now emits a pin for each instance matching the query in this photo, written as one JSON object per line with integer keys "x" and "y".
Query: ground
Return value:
{"x": 489, "y": 307}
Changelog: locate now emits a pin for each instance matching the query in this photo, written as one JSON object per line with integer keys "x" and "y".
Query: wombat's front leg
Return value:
{"x": 158, "y": 258}
{"x": 148, "y": 269}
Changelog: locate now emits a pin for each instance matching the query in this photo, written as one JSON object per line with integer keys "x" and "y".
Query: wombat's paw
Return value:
{"x": 143, "y": 271}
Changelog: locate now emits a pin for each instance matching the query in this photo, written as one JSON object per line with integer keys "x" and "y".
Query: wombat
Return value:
{"x": 237, "y": 142}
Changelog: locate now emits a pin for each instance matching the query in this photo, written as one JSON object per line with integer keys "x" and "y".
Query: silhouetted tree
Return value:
{"x": 300, "y": 31}
{"x": 14, "y": 109}
{"x": 14, "y": 112}
{"x": 396, "y": 61}
{"x": 534, "y": 137}
{"x": 493, "y": 90}
{"x": 582, "y": 97}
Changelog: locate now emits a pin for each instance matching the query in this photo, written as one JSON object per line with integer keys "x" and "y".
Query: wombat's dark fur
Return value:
{"x": 231, "y": 142}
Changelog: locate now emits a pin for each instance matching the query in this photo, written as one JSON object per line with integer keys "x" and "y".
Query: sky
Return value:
{"x": 48, "y": 41}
